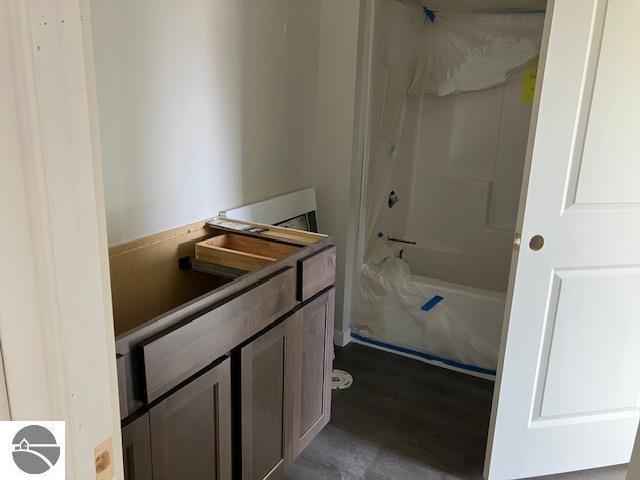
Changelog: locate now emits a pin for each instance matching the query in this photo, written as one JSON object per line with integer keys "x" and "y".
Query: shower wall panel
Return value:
{"x": 455, "y": 162}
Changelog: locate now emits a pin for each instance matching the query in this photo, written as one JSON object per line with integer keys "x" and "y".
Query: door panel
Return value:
{"x": 312, "y": 359}
{"x": 136, "y": 449}
{"x": 191, "y": 429}
{"x": 266, "y": 406}
{"x": 611, "y": 112}
{"x": 567, "y": 390}
{"x": 580, "y": 377}
{"x": 313, "y": 375}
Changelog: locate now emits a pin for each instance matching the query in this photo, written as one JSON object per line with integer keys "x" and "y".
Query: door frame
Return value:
{"x": 56, "y": 325}
{"x": 355, "y": 243}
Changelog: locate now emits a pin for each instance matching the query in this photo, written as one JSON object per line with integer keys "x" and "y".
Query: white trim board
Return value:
{"x": 56, "y": 324}
{"x": 354, "y": 248}
{"x": 276, "y": 209}
{"x": 342, "y": 338}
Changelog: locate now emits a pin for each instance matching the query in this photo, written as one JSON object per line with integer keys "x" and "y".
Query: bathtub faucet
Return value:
{"x": 399, "y": 240}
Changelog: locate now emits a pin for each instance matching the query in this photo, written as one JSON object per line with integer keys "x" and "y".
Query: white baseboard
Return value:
{"x": 341, "y": 339}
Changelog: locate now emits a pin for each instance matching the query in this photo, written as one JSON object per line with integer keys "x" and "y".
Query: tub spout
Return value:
{"x": 399, "y": 240}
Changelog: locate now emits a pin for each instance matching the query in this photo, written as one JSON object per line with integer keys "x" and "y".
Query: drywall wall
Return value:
{"x": 209, "y": 105}
{"x": 204, "y": 105}
{"x": 329, "y": 165}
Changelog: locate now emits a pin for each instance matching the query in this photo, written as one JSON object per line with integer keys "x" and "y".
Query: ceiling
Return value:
{"x": 483, "y": 5}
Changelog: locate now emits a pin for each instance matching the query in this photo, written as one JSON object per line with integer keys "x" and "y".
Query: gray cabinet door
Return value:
{"x": 191, "y": 429}
{"x": 266, "y": 405}
{"x": 136, "y": 449}
{"x": 311, "y": 340}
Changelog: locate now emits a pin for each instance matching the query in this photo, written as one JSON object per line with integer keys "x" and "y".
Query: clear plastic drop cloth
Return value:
{"x": 391, "y": 311}
{"x": 455, "y": 53}
{"x": 462, "y": 52}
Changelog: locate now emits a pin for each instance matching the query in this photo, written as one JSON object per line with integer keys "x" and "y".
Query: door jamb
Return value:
{"x": 359, "y": 167}
{"x": 58, "y": 345}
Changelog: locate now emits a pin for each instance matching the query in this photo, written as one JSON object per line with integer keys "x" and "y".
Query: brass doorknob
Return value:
{"x": 536, "y": 243}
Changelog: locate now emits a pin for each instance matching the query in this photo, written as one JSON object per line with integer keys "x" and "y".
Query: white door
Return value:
{"x": 569, "y": 375}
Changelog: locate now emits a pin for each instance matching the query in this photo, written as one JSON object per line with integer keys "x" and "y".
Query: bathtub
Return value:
{"x": 441, "y": 323}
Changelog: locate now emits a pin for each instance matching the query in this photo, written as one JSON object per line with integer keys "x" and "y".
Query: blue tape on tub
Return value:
{"x": 435, "y": 300}
{"x": 426, "y": 356}
{"x": 429, "y": 14}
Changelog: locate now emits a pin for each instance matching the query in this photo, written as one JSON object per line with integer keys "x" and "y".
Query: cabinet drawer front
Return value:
{"x": 316, "y": 272}
{"x": 173, "y": 356}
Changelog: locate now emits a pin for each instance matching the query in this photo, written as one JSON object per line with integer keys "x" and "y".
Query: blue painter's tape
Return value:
{"x": 429, "y": 14}
{"x": 426, "y": 356}
{"x": 435, "y": 300}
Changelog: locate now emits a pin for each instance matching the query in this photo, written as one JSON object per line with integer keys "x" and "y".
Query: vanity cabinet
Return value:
{"x": 234, "y": 383}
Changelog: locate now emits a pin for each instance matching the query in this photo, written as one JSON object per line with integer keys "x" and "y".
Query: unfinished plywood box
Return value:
{"x": 241, "y": 252}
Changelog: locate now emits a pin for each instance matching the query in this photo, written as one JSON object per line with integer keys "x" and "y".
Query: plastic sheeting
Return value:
{"x": 409, "y": 312}
{"x": 467, "y": 52}
{"x": 457, "y": 53}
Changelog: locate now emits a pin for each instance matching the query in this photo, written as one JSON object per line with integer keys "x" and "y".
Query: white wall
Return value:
{"x": 204, "y": 105}
{"x": 329, "y": 168}
{"x": 207, "y": 105}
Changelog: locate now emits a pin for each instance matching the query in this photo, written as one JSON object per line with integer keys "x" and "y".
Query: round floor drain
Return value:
{"x": 340, "y": 379}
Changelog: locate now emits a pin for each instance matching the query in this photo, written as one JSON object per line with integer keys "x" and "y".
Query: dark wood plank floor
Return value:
{"x": 403, "y": 419}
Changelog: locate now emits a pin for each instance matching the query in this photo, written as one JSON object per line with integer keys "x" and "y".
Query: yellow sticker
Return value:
{"x": 529, "y": 85}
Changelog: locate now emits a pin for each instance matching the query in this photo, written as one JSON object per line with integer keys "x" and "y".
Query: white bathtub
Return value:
{"x": 461, "y": 331}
